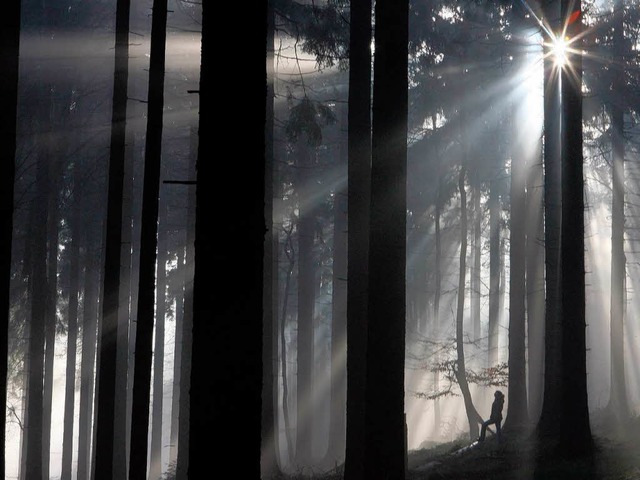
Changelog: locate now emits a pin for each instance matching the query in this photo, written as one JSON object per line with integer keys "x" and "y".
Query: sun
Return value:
{"x": 560, "y": 47}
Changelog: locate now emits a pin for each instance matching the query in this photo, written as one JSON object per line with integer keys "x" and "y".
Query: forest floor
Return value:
{"x": 517, "y": 459}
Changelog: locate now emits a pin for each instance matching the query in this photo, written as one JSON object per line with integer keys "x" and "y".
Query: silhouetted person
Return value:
{"x": 495, "y": 418}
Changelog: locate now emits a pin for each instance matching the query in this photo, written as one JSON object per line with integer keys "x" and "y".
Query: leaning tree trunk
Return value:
{"x": 106, "y": 378}
{"x": 9, "y": 54}
{"x": 460, "y": 369}
{"x": 575, "y": 430}
{"x": 385, "y": 434}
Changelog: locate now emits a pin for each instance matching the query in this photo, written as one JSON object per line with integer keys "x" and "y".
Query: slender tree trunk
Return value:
{"x": 517, "y": 417}
{"x": 219, "y": 402}
{"x": 177, "y": 288}
{"x": 289, "y": 251}
{"x": 535, "y": 281}
{"x": 460, "y": 369}
{"x": 51, "y": 306}
{"x": 385, "y": 436}
{"x": 618, "y": 403}
{"x": 9, "y": 55}
{"x": 339, "y": 322}
{"x": 438, "y": 278}
{"x": 306, "y": 302}
{"x": 148, "y": 245}
{"x": 494, "y": 269}
{"x": 477, "y": 263}
{"x": 575, "y": 431}
{"x": 88, "y": 359}
{"x": 156, "y": 464}
{"x": 121, "y": 406}
{"x": 106, "y": 378}
{"x": 549, "y": 422}
{"x": 269, "y": 462}
{"x": 187, "y": 323}
{"x": 358, "y": 191}
{"x": 72, "y": 329}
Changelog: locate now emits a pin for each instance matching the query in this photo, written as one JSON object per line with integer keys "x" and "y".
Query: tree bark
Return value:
{"x": 106, "y": 378}
{"x": 358, "y": 191}
{"x": 226, "y": 374}
{"x": 9, "y": 64}
{"x": 575, "y": 432}
{"x": 385, "y": 439}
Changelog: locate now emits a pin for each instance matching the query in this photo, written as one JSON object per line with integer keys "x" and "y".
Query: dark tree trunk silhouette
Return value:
{"x": 618, "y": 404}
{"x": 549, "y": 422}
{"x": 385, "y": 436}
{"x": 575, "y": 430}
{"x": 122, "y": 404}
{"x": 269, "y": 462}
{"x": 34, "y": 467}
{"x": 9, "y": 54}
{"x": 106, "y": 377}
{"x": 155, "y": 468}
{"x": 148, "y": 245}
{"x": 358, "y": 188}
{"x": 187, "y": 323}
{"x": 226, "y": 375}
{"x": 177, "y": 288}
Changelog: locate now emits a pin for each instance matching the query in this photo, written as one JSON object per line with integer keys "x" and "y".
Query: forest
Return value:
{"x": 444, "y": 204}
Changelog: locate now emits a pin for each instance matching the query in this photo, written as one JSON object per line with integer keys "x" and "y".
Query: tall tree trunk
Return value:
{"x": 219, "y": 402}
{"x": 177, "y": 289}
{"x": 476, "y": 281}
{"x": 535, "y": 281}
{"x": 72, "y": 329}
{"x": 358, "y": 191}
{"x": 517, "y": 417}
{"x": 88, "y": 358}
{"x": 306, "y": 302}
{"x": 156, "y": 464}
{"x": 51, "y": 305}
{"x": 438, "y": 277}
{"x": 35, "y": 400}
{"x": 148, "y": 245}
{"x": 339, "y": 321}
{"x": 549, "y": 422}
{"x": 460, "y": 369}
{"x": 494, "y": 269}
{"x": 385, "y": 435}
{"x": 106, "y": 378}
{"x": 9, "y": 54}
{"x": 618, "y": 403}
{"x": 269, "y": 462}
{"x": 575, "y": 430}
{"x": 121, "y": 407}
{"x": 187, "y": 322}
